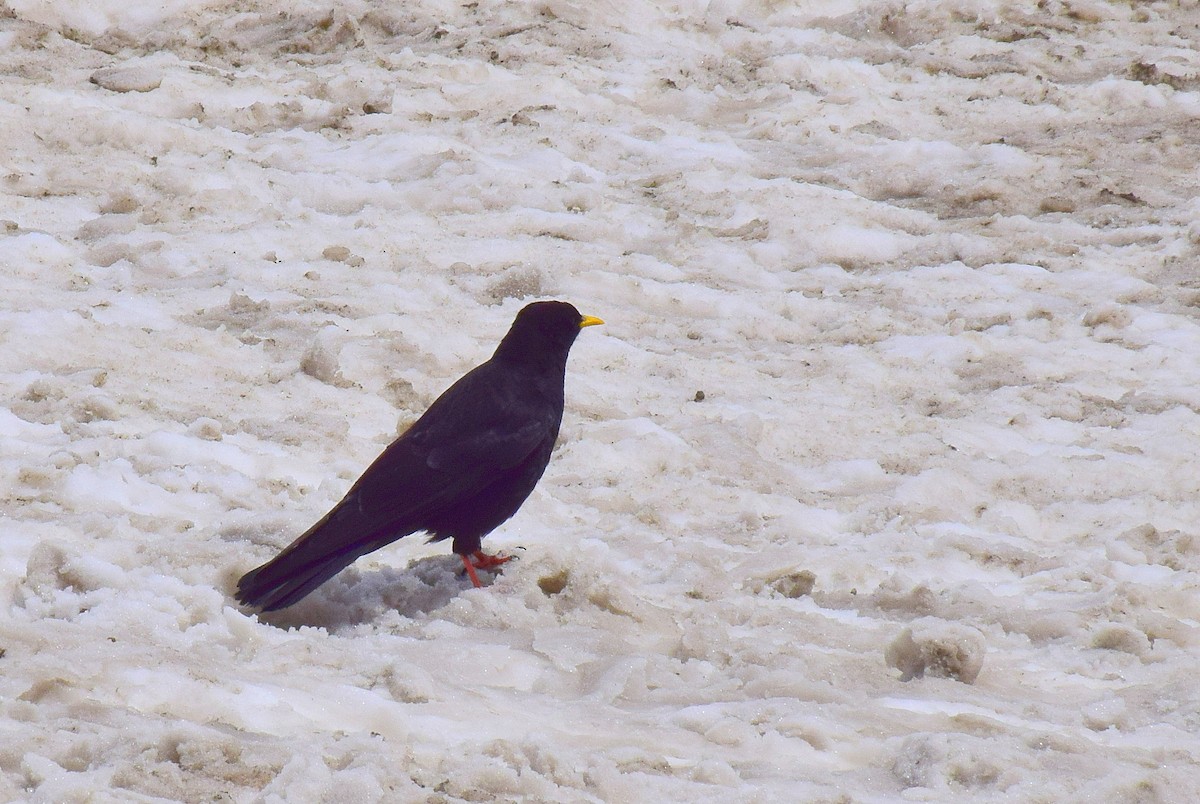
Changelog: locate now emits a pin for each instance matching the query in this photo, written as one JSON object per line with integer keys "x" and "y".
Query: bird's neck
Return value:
{"x": 520, "y": 352}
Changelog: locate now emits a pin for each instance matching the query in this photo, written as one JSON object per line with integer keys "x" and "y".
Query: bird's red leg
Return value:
{"x": 471, "y": 571}
{"x": 482, "y": 561}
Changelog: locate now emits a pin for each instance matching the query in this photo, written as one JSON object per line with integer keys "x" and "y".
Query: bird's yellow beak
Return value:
{"x": 590, "y": 321}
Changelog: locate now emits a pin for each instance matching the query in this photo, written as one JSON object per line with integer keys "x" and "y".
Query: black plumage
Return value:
{"x": 458, "y": 472}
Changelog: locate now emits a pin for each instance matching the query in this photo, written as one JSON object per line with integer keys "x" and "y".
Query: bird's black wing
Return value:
{"x": 488, "y": 421}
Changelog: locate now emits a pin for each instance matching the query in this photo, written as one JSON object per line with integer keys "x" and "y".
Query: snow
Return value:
{"x": 898, "y": 381}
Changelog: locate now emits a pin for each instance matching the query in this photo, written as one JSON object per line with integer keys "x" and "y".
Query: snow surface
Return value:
{"x": 933, "y": 267}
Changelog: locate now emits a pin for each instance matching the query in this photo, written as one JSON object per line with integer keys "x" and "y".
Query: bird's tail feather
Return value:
{"x": 275, "y": 591}
{"x": 315, "y": 557}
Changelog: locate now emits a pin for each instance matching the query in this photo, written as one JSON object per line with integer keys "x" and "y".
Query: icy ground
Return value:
{"x": 880, "y": 483}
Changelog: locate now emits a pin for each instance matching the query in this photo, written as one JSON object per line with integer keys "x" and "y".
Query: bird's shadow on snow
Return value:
{"x": 354, "y": 597}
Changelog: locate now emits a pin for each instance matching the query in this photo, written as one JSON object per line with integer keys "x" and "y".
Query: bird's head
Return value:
{"x": 547, "y": 327}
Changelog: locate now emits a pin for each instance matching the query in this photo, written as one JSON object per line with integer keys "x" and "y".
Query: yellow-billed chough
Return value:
{"x": 460, "y": 471}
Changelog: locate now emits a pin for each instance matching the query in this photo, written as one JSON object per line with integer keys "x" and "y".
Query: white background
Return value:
{"x": 934, "y": 268}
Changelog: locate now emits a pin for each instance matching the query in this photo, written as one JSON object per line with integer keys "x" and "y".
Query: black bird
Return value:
{"x": 457, "y": 473}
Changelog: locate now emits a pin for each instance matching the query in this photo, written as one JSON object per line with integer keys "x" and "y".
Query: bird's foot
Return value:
{"x": 482, "y": 561}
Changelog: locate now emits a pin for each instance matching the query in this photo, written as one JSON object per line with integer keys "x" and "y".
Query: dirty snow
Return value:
{"x": 879, "y": 484}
